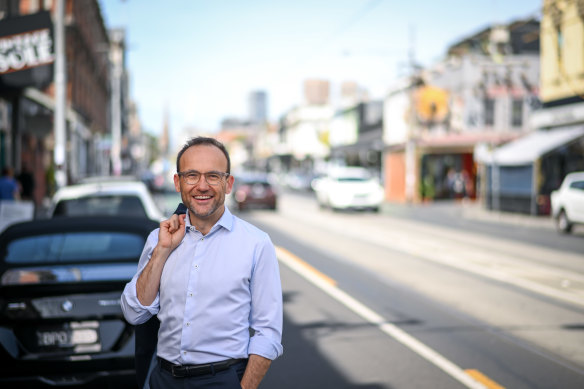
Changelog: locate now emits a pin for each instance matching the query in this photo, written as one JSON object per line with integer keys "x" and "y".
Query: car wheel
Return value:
{"x": 563, "y": 223}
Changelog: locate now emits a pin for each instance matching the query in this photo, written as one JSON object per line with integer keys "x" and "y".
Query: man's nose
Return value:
{"x": 202, "y": 184}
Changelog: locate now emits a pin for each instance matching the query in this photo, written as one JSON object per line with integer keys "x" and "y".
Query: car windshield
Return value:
{"x": 101, "y": 205}
{"x": 352, "y": 179}
{"x": 74, "y": 246}
{"x": 251, "y": 183}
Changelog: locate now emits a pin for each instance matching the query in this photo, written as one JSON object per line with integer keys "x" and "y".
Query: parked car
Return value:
{"x": 349, "y": 188}
{"x": 568, "y": 202}
{"x": 254, "y": 190}
{"x": 105, "y": 197}
{"x": 61, "y": 323}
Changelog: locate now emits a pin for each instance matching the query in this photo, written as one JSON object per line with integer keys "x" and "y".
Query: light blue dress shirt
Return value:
{"x": 213, "y": 289}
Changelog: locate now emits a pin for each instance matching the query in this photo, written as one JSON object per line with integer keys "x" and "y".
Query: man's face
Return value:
{"x": 205, "y": 202}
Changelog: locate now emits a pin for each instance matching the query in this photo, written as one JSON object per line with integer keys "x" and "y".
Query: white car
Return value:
{"x": 349, "y": 188}
{"x": 568, "y": 202}
{"x": 105, "y": 197}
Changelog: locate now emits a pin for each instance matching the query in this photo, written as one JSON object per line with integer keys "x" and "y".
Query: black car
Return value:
{"x": 60, "y": 285}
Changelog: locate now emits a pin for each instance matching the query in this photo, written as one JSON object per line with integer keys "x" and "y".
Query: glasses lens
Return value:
{"x": 192, "y": 178}
{"x": 213, "y": 178}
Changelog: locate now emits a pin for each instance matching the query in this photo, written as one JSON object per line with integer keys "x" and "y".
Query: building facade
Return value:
{"x": 521, "y": 175}
{"x": 27, "y": 134}
{"x": 258, "y": 106}
{"x": 562, "y": 84}
{"x": 482, "y": 94}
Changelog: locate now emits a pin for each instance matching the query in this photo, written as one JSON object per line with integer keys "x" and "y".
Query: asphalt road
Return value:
{"x": 392, "y": 301}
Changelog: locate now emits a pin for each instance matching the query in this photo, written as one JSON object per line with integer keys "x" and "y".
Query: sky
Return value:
{"x": 198, "y": 60}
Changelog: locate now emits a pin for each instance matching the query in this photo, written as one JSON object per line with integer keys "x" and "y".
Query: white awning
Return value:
{"x": 528, "y": 149}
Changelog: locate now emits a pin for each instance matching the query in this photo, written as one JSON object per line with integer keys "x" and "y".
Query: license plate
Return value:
{"x": 360, "y": 199}
{"x": 61, "y": 338}
{"x": 80, "y": 336}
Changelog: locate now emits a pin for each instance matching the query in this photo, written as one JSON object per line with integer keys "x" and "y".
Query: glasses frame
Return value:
{"x": 187, "y": 172}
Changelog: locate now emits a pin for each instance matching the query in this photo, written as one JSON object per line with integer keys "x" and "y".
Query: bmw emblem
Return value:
{"x": 67, "y": 306}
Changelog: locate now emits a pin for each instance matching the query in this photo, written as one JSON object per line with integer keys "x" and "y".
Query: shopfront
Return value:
{"x": 26, "y": 62}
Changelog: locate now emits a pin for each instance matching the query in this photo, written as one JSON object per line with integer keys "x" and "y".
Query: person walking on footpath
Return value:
{"x": 9, "y": 188}
{"x": 26, "y": 180}
{"x": 212, "y": 279}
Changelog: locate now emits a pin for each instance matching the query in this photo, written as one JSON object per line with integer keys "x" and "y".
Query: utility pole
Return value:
{"x": 60, "y": 125}
{"x": 410, "y": 147}
{"x": 116, "y": 60}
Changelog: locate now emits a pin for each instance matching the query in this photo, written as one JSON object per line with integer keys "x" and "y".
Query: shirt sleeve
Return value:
{"x": 266, "y": 303}
{"x": 134, "y": 311}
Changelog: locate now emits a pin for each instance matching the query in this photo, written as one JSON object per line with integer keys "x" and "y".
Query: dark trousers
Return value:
{"x": 226, "y": 379}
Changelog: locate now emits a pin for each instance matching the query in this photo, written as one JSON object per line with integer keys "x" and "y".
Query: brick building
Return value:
{"x": 27, "y": 105}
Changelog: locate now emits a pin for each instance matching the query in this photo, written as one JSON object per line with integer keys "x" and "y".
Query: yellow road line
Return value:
{"x": 298, "y": 264}
{"x": 483, "y": 379}
{"x": 328, "y": 285}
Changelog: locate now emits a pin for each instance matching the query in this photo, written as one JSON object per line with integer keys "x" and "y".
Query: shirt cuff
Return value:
{"x": 134, "y": 311}
{"x": 265, "y": 347}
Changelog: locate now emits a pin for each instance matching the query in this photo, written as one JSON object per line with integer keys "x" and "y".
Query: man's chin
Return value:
{"x": 202, "y": 212}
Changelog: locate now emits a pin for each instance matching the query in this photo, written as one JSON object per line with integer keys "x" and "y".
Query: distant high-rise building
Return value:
{"x": 258, "y": 106}
{"x": 316, "y": 91}
{"x": 165, "y": 136}
{"x": 352, "y": 94}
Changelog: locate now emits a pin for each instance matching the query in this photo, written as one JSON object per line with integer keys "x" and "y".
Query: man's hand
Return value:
{"x": 255, "y": 371}
{"x": 172, "y": 232}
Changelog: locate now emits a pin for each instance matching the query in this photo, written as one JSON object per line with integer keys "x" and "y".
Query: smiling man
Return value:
{"x": 210, "y": 277}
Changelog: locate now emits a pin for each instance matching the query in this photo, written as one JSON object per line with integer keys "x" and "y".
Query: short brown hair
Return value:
{"x": 203, "y": 140}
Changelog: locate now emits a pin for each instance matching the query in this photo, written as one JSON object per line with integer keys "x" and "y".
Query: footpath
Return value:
{"x": 477, "y": 211}
{"x": 469, "y": 210}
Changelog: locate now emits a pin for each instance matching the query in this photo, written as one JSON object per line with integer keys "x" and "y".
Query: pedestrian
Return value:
{"x": 212, "y": 279}
{"x": 9, "y": 187}
{"x": 26, "y": 180}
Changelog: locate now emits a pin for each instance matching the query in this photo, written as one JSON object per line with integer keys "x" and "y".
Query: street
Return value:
{"x": 404, "y": 301}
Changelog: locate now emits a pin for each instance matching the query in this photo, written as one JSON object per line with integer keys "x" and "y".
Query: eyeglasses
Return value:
{"x": 192, "y": 177}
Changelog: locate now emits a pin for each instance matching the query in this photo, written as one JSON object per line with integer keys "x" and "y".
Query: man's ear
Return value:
{"x": 176, "y": 183}
{"x": 230, "y": 181}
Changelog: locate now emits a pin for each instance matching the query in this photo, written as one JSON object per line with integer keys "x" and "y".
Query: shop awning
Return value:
{"x": 528, "y": 149}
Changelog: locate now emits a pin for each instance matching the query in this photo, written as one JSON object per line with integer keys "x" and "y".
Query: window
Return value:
{"x": 517, "y": 113}
{"x": 101, "y": 205}
{"x": 489, "y": 110}
{"x": 74, "y": 246}
{"x": 9, "y": 8}
{"x": 577, "y": 185}
{"x": 352, "y": 179}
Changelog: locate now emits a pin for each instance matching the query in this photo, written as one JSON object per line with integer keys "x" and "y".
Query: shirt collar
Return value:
{"x": 226, "y": 221}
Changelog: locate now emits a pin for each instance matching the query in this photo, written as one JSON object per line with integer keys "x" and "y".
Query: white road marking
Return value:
{"x": 297, "y": 265}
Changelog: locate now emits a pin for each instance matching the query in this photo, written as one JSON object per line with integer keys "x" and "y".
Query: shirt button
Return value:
{"x": 202, "y": 238}
{"x": 184, "y": 353}
{"x": 196, "y": 266}
{"x": 190, "y": 295}
{"x": 188, "y": 324}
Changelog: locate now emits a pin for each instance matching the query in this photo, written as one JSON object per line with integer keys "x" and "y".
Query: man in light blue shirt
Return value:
{"x": 210, "y": 277}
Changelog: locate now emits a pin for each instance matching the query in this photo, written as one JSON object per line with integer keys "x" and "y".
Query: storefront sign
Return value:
{"x": 26, "y": 51}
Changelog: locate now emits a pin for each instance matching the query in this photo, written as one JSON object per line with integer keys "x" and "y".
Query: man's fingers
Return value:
{"x": 174, "y": 223}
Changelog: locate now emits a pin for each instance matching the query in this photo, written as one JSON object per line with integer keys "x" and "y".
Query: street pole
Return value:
{"x": 410, "y": 146}
{"x": 116, "y": 58}
{"x": 60, "y": 124}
